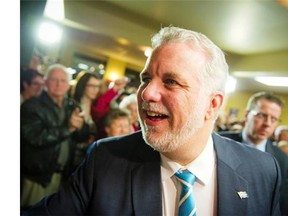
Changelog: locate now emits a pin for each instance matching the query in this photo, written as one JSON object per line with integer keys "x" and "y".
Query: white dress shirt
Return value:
{"x": 204, "y": 188}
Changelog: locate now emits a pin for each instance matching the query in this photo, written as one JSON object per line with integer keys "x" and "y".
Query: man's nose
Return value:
{"x": 151, "y": 92}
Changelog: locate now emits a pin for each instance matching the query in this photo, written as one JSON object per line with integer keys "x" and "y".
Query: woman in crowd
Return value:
{"x": 85, "y": 91}
{"x": 102, "y": 105}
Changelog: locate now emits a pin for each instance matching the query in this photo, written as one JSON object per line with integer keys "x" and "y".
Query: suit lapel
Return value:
{"x": 269, "y": 147}
{"x": 146, "y": 183}
{"x": 230, "y": 183}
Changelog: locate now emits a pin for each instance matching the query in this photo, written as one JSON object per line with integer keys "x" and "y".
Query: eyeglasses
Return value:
{"x": 264, "y": 117}
{"x": 56, "y": 80}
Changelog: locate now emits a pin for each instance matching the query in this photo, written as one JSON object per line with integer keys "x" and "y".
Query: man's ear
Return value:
{"x": 215, "y": 104}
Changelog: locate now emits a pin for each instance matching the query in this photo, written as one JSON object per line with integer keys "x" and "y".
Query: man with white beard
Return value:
{"x": 148, "y": 172}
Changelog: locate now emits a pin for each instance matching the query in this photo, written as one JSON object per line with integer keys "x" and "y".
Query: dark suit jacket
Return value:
{"x": 121, "y": 176}
{"x": 283, "y": 163}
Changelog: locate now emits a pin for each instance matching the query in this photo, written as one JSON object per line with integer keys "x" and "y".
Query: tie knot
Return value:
{"x": 187, "y": 178}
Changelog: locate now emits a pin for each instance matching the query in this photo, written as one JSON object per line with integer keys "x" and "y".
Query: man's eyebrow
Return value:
{"x": 173, "y": 75}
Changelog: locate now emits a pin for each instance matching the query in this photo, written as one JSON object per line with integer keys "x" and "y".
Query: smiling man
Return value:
{"x": 176, "y": 165}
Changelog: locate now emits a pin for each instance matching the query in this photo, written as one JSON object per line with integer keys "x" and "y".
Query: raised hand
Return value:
{"x": 120, "y": 83}
{"x": 76, "y": 120}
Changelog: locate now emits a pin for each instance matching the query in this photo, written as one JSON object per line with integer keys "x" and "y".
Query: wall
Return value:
{"x": 114, "y": 70}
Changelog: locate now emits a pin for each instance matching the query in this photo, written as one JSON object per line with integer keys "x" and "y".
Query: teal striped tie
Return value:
{"x": 187, "y": 201}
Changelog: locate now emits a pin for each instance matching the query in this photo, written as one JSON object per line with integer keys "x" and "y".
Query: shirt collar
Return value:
{"x": 202, "y": 167}
{"x": 261, "y": 146}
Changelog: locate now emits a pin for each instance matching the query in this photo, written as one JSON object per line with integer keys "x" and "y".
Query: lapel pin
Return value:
{"x": 242, "y": 194}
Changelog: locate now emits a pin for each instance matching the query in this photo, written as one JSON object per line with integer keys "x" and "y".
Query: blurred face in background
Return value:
{"x": 92, "y": 88}
{"x": 57, "y": 83}
{"x": 283, "y": 136}
{"x": 36, "y": 86}
{"x": 261, "y": 122}
{"x": 119, "y": 126}
{"x": 133, "y": 112}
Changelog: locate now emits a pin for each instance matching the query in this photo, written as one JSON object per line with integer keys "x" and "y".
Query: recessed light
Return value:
{"x": 273, "y": 81}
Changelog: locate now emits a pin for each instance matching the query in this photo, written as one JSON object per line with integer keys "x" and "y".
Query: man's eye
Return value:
{"x": 145, "y": 80}
{"x": 170, "y": 82}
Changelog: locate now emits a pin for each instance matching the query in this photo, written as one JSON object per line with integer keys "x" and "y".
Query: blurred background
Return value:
{"x": 112, "y": 38}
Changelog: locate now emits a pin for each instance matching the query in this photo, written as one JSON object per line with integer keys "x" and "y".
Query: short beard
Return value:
{"x": 171, "y": 140}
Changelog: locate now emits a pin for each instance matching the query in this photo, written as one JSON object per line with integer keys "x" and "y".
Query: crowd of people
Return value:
{"x": 59, "y": 123}
{"x": 168, "y": 129}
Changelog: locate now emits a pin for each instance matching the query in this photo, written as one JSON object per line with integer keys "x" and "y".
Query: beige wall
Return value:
{"x": 114, "y": 70}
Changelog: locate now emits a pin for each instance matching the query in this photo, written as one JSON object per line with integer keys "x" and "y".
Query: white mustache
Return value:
{"x": 153, "y": 107}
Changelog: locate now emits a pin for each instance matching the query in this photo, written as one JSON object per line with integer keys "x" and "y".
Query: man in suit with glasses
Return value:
{"x": 262, "y": 115}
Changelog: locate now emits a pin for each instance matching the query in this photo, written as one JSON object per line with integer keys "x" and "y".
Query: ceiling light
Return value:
{"x": 253, "y": 74}
{"x": 49, "y": 33}
{"x": 101, "y": 66}
{"x": 83, "y": 66}
{"x": 54, "y": 9}
{"x": 273, "y": 81}
{"x": 230, "y": 85}
{"x": 113, "y": 76}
